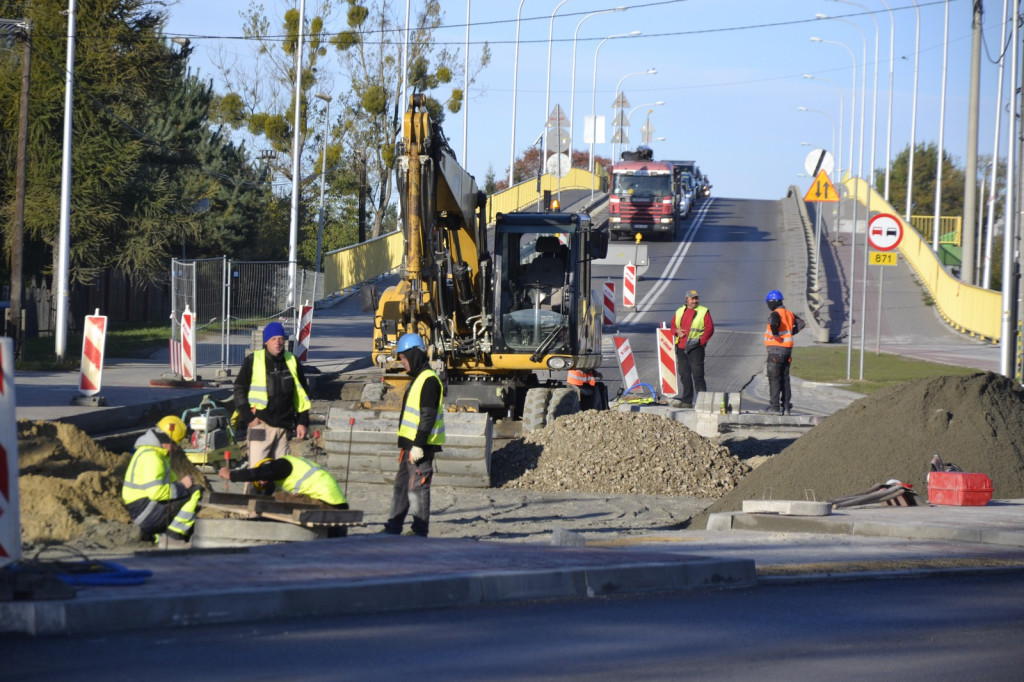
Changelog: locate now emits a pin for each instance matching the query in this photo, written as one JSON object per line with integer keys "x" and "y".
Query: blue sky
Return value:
{"x": 729, "y": 71}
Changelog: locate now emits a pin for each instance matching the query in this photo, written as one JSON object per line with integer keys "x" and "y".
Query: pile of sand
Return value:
{"x": 70, "y": 488}
{"x": 974, "y": 421}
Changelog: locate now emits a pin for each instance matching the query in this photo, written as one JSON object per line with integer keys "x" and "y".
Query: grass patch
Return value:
{"x": 827, "y": 365}
{"x": 134, "y": 341}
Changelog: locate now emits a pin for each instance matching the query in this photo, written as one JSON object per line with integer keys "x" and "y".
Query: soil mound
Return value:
{"x": 975, "y": 421}
{"x": 617, "y": 453}
{"x": 70, "y": 488}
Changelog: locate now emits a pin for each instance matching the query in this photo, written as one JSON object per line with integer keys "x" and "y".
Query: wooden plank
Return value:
{"x": 265, "y": 506}
{"x": 213, "y": 497}
{"x": 286, "y": 518}
{"x": 331, "y": 516}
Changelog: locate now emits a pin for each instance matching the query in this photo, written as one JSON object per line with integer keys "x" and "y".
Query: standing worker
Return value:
{"x": 156, "y": 500}
{"x": 272, "y": 397}
{"x": 293, "y": 475}
{"x": 778, "y": 338}
{"x": 420, "y": 437}
{"x": 692, "y": 328}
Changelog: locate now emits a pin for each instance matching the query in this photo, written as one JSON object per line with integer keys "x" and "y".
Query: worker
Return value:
{"x": 782, "y": 326}
{"x": 293, "y": 475}
{"x": 692, "y": 328}
{"x": 420, "y": 437}
{"x": 585, "y": 381}
{"x": 156, "y": 500}
{"x": 272, "y": 397}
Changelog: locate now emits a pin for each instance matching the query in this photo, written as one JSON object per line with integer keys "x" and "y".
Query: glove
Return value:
{"x": 416, "y": 454}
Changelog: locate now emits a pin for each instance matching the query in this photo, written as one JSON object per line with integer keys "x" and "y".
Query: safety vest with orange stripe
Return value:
{"x": 785, "y": 336}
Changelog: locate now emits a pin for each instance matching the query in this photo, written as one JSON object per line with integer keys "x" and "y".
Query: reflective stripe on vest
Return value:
{"x": 785, "y": 337}
{"x": 258, "y": 396}
{"x": 409, "y": 424}
{"x": 148, "y": 476}
{"x": 696, "y": 324}
{"x": 579, "y": 377}
{"x": 309, "y": 479}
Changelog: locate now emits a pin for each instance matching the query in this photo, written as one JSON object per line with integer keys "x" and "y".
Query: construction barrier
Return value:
{"x": 188, "y": 346}
{"x": 10, "y": 521}
{"x": 305, "y": 329}
{"x": 609, "y": 303}
{"x": 361, "y": 447}
{"x": 630, "y": 375}
{"x": 629, "y": 286}
{"x": 667, "y": 362}
{"x": 94, "y": 339}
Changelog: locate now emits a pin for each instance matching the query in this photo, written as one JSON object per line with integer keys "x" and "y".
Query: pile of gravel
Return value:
{"x": 617, "y": 453}
{"x": 974, "y": 421}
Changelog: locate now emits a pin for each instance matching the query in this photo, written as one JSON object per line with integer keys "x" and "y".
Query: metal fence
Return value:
{"x": 232, "y": 302}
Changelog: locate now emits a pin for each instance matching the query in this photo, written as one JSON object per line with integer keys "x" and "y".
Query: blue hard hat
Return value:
{"x": 773, "y": 295}
{"x": 407, "y": 341}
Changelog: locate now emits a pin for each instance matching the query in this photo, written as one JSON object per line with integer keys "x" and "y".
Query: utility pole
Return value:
{"x": 967, "y": 269}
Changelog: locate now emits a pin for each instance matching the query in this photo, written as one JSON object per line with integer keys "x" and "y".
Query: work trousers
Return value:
{"x": 265, "y": 441}
{"x": 177, "y": 516}
{"x": 411, "y": 494}
{"x": 690, "y": 367}
{"x": 780, "y": 395}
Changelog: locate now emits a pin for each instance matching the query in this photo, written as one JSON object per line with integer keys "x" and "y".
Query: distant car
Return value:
{"x": 705, "y": 186}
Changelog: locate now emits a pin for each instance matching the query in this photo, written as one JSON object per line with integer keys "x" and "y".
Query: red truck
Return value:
{"x": 641, "y": 198}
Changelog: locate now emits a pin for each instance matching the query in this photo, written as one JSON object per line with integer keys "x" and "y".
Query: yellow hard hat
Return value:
{"x": 173, "y": 427}
{"x": 263, "y": 485}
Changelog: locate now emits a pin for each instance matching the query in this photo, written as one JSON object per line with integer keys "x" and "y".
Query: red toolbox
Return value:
{"x": 959, "y": 488}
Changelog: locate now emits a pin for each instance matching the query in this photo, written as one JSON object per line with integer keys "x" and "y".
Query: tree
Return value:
{"x": 526, "y": 165}
{"x": 371, "y": 53}
{"x": 923, "y": 191}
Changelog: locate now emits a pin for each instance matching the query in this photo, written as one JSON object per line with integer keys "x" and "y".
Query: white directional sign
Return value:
{"x": 558, "y": 165}
{"x": 819, "y": 160}
{"x": 885, "y": 232}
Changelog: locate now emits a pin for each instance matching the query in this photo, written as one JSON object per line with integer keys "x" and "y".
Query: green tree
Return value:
{"x": 922, "y": 200}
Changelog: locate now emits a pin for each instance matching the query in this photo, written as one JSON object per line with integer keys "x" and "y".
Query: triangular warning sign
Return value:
{"x": 822, "y": 190}
{"x": 557, "y": 118}
{"x": 620, "y": 101}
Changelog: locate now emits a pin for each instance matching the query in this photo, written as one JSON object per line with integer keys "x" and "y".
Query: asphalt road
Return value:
{"x": 945, "y": 628}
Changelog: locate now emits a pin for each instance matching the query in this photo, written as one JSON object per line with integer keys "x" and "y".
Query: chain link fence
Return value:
{"x": 232, "y": 302}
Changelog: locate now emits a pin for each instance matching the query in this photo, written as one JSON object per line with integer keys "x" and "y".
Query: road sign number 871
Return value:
{"x": 881, "y": 258}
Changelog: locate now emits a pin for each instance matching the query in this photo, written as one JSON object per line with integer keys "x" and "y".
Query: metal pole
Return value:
{"x": 871, "y": 191}
{"x": 323, "y": 183}
{"x": 547, "y": 89}
{"x": 293, "y": 230}
{"x": 1007, "y": 337}
{"x": 913, "y": 114}
{"x": 892, "y": 68}
{"x": 967, "y": 269}
{"x": 18, "y": 228}
{"x": 465, "y": 96}
{"x": 572, "y": 89}
{"x": 942, "y": 126}
{"x": 987, "y": 276}
{"x": 515, "y": 86}
{"x": 64, "y": 240}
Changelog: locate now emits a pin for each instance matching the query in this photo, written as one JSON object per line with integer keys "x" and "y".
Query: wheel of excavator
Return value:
{"x": 535, "y": 408}
{"x": 563, "y": 401}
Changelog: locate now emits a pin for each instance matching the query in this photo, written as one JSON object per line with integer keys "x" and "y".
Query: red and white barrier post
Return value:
{"x": 90, "y": 380}
{"x": 667, "y": 362}
{"x": 609, "y": 303}
{"x": 10, "y": 519}
{"x": 188, "y": 347}
{"x": 629, "y": 286}
{"x": 305, "y": 330}
{"x": 630, "y": 375}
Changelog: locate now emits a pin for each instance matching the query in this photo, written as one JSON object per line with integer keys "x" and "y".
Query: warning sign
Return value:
{"x": 822, "y": 190}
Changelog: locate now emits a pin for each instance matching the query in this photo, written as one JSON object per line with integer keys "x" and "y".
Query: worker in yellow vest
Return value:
{"x": 782, "y": 326}
{"x": 156, "y": 500}
{"x": 420, "y": 437}
{"x": 271, "y": 397}
{"x": 294, "y": 475}
{"x": 692, "y": 328}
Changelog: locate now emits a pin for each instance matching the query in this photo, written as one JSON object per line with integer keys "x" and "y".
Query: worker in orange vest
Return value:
{"x": 782, "y": 326}
{"x": 586, "y": 382}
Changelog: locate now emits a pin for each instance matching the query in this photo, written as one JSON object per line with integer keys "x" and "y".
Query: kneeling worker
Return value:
{"x": 294, "y": 475}
{"x": 156, "y": 500}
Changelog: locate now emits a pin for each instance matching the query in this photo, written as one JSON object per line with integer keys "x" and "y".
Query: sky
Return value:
{"x": 730, "y": 74}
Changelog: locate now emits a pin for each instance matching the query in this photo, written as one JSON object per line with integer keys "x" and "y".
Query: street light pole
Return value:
{"x": 892, "y": 69}
{"x": 913, "y": 114}
{"x": 323, "y": 182}
{"x": 593, "y": 98}
{"x": 618, "y": 91}
{"x": 837, "y": 146}
{"x": 990, "y": 227}
{"x": 515, "y": 84}
{"x": 293, "y": 230}
{"x": 547, "y": 89}
{"x": 64, "y": 240}
{"x": 826, "y": 114}
{"x": 942, "y": 130}
{"x": 572, "y": 90}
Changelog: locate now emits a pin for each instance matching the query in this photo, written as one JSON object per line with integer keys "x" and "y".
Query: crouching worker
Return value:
{"x": 156, "y": 500}
{"x": 296, "y": 476}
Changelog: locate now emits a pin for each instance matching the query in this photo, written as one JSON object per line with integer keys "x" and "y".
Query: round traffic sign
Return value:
{"x": 558, "y": 165}
{"x": 885, "y": 232}
{"x": 817, "y": 160}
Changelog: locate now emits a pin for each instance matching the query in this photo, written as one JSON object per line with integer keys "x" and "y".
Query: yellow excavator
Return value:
{"x": 505, "y": 314}
{"x": 498, "y": 311}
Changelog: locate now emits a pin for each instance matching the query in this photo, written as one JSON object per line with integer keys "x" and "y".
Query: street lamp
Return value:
{"x": 323, "y": 182}
{"x": 823, "y": 113}
{"x": 547, "y": 91}
{"x": 618, "y": 90}
{"x": 629, "y": 116}
{"x": 839, "y": 145}
{"x": 593, "y": 96}
{"x": 572, "y": 90}
{"x": 293, "y": 229}
{"x": 987, "y": 272}
{"x": 913, "y": 112}
{"x": 515, "y": 84}
{"x": 853, "y": 91}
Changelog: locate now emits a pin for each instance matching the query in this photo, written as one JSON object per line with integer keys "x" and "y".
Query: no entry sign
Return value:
{"x": 885, "y": 232}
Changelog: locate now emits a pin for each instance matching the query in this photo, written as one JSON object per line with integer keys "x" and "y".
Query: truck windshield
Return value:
{"x": 650, "y": 185}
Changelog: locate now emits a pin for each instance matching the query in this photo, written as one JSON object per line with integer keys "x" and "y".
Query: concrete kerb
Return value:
{"x": 128, "y": 416}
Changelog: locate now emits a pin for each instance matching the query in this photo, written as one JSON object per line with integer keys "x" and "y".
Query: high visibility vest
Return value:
{"x": 697, "y": 325}
{"x": 785, "y": 337}
{"x": 258, "y": 396}
{"x": 309, "y": 479}
{"x": 149, "y": 476}
{"x": 581, "y": 377}
{"x": 410, "y": 422}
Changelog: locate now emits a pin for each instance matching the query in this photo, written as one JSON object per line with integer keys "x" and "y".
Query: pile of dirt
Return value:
{"x": 975, "y": 421}
{"x": 617, "y": 453}
{"x": 70, "y": 488}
